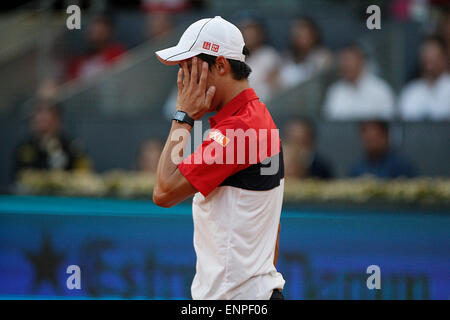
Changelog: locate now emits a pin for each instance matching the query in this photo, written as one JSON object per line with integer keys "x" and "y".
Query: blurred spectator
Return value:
{"x": 159, "y": 25}
{"x": 46, "y": 147}
{"x": 416, "y": 10}
{"x": 291, "y": 157}
{"x": 380, "y": 159}
{"x": 148, "y": 156}
{"x": 359, "y": 95}
{"x": 103, "y": 50}
{"x": 166, "y": 5}
{"x": 264, "y": 60}
{"x": 307, "y": 56}
{"x": 444, "y": 32}
{"x": 429, "y": 96}
{"x": 170, "y": 105}
{"x": 303, "y": 160}
{"x": 400, "y": 9}
{"x": 47, "y": 90}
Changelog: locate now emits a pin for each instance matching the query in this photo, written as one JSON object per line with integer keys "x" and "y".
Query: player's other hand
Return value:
{"x": 193, "y": 96}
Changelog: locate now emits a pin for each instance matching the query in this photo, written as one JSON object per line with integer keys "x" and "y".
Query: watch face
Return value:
{"x": 179, "y": 116}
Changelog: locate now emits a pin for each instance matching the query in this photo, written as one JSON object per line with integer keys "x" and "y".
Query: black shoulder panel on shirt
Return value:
{"x": 252, "y": 178}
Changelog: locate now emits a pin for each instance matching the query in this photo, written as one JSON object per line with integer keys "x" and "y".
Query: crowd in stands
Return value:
{"x": 301, "y": 158}
{"x": 47, "y": 146}
{"x": 428, "y": 97}
{"x": 358, "y": 95}
{"x": 103, "y": 50}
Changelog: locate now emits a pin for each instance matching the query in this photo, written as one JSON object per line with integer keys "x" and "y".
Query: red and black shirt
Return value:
{"x": 242, "y": 136}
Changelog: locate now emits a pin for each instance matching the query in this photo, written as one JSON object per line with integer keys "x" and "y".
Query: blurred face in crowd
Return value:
{"x": 299, "y": 148}
{"x": 149, "y": 156}
{"x": 351, "y": 64}
{"x": 253, "y": 35}
{"x": 375, "y": 139}
{"x": 445, "y": 28}
{"x": 292, "y": 161}
{"x": 433, "y": 59}
{"x": 99, "y": 33}
{"x": 159, "y": 24}
{"x": 45, "y": 121}
{"x": 300, "y": 134}
{"x": 303, "y": 36}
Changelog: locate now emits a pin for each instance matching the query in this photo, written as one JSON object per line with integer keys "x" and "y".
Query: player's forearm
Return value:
{"x": 173, "y": 149}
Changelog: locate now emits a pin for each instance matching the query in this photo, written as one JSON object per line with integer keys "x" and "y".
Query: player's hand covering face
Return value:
{"x": 193, "y": 96}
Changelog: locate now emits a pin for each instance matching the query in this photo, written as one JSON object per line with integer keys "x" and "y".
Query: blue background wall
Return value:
{"x": 134, "y": 249}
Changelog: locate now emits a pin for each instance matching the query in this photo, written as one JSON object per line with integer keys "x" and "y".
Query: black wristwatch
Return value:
{"x": 181, "y": 116}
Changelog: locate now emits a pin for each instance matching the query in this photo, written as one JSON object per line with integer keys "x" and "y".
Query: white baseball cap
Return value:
{"x": 214, "y": 36}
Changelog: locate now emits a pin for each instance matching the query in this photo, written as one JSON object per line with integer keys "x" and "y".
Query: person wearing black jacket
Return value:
{"x": 46, "y": 147}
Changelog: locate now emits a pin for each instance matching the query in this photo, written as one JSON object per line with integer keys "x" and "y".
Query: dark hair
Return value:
{"x": 252, "y": 18}
{"x": 105, "y": 17}
{"x": 305, "y": 121}
{"x": 312, "y": 25}
{"x": 355, "y": 47}
{"x": 436, "y": 39}
{"x": 45, "y": 104}
{"x": 240, "y": 70}
{"x": 381, "y": 124}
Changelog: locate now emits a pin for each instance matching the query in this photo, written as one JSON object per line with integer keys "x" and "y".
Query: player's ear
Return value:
{"x": 222, "y": 65}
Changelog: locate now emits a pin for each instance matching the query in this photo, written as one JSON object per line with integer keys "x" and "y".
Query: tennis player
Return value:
{"x": 236, "y": 174}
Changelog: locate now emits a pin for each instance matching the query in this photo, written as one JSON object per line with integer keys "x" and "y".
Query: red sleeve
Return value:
{"x": 216, "y": 158}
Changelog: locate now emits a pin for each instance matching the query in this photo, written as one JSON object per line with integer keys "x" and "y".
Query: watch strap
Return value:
{"x": 181, "y": 116}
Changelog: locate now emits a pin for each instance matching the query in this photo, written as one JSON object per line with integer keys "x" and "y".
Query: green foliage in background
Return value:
{"x": 124, "y": 184}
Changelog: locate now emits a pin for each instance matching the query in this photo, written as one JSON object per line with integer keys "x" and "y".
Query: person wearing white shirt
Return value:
{"x": 307, "y": 57}
{"x": 264, "y": 59}
{"x": 359, "y": 95}
{"x": 264, "y": 62}
{"x": 429, "y": 96}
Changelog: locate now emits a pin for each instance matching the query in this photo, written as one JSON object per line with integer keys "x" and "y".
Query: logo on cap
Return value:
{"x": 206, "y": 45}
{"x": 215, "y": 48}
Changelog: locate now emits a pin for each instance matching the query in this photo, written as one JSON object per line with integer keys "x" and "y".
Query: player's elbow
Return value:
{"x": 161, "y": 201}
{"x": 161, "y": 198}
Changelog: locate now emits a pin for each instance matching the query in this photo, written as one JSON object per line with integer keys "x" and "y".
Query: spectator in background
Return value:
{"x": 444, "y": 32}
{"x": 358, "y": 95}
{"x": 47, "y": 89}
{"x": 148, "y": 156}
{"x": 412, "y": 10}
{"x": 160, "y": 28}
{"x": 302, "y": 159}
{"x": 103, "y": 50}
{"x": 159, "y": 25}
{"x": 292, "y": 162}
{"x": 380, "y": 159}
{"x": 429, "y": 96}
{"x": 175, "y": 6}
{"x": 46, "y": 147}
{"x": 263, "y": 59}
{"x": 307, "y": 56}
